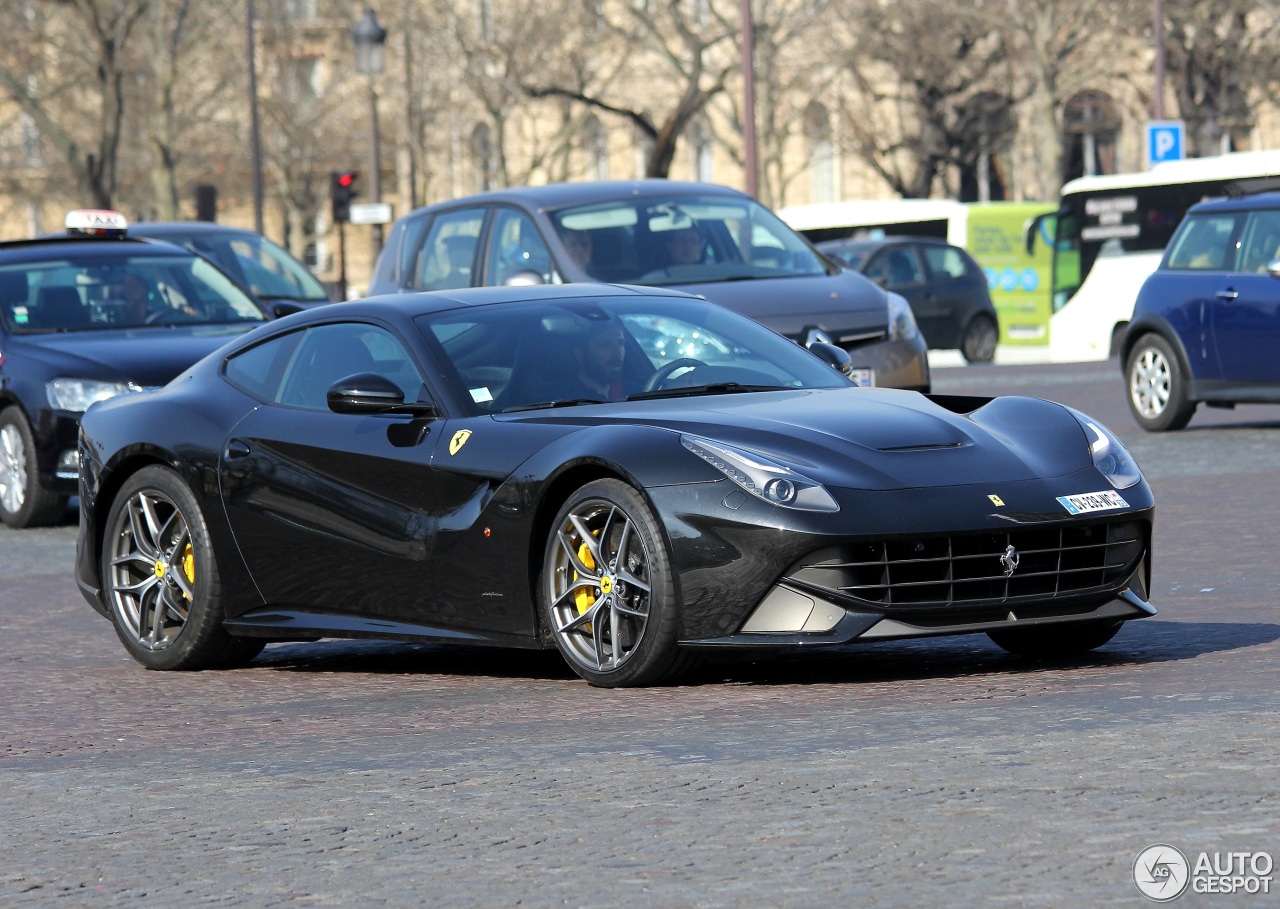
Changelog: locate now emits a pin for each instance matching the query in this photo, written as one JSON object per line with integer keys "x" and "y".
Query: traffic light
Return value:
{"x": 342, "y": 189}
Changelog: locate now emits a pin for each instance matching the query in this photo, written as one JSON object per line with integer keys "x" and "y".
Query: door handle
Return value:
{"x": 237, "y": 449}
{"x": 1227, "y": 294}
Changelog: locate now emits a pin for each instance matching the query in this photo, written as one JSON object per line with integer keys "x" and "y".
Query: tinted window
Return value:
{"x": 327, "y": 353}
{"x": 1205, "y": 243}
{"x": 895, "y": 267}
{"x": 257, "y": 371}
{"x": 87, "y": 293}
{"x": 449, "y": 252}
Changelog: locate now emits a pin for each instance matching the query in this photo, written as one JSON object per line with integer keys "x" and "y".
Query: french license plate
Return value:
{"x": 864, "y": 378}
{"x": 1093, "y": 501}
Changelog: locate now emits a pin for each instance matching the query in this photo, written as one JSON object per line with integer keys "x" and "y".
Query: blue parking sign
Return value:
{"x": 1165, "y": 141}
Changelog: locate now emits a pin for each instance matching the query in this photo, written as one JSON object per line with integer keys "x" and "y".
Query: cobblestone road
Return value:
{"x": 910, "y": 774}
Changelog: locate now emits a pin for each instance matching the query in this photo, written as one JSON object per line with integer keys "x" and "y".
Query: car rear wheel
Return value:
{"x": 1056, "y": 642}
{"x": 160, "y": 578}
{"x": 980, "y": 339}
{"x": 1157, "y": 386}
{"x": 607, "y": 590}
{"x": 23, "y": 501}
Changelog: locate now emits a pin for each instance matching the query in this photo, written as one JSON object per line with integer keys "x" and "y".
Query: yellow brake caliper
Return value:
{"x": 189, "y": 567}
{"x": 584, "y": 599}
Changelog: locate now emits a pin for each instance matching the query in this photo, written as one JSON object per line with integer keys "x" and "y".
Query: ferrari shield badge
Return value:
{"x": 459, "y": 439}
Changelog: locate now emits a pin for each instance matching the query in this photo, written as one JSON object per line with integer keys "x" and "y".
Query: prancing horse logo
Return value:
{"x": 459, "y": 439}
{"x": 1010, "y": 561}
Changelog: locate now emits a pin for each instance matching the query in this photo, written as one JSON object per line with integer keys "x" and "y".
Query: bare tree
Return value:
{"x": 691, "y": 44}
{"x": 917, "y": 69}
{"x": 65, "y": 70}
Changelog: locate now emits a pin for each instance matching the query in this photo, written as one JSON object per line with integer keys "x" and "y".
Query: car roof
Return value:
{"x": 186, "y": 228}
{"x": 43, "y": 249}
{"x": 558, "y": 195}
{"x": 1240, "y": 203}
{"x": 418, "y": 303}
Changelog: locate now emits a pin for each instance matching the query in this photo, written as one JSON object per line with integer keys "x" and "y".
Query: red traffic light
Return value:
{"x": 346, "y": 178}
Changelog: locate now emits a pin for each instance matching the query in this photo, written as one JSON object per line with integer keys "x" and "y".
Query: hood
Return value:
{"x": 148, "y": 356}
{"x": 845, "y": 305}
{"x": 871, "y": 438}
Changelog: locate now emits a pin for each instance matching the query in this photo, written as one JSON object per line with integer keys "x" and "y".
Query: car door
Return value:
{"x": 1245, "y": 321}
{"x": 958, "y": 289}
{"x": 899, "y": 270}
{"x": 1198, "y": 274}
{"x": 333, "y": 512}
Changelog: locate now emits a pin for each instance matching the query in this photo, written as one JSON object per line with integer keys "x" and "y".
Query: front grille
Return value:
{"x": 1070, "y": 560}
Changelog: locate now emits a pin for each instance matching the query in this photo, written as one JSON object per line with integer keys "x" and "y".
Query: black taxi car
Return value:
{"x": 85, "y": 316}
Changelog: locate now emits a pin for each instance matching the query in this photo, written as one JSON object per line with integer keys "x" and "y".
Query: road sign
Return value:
{"x": 371, "y": 213}
{"x": 1166, "y": 141}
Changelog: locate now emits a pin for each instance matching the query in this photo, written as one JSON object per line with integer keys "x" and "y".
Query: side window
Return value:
{"x": 257, "y": 371}
{"x": 895, "y": 267}
{"x": 331, "y": 352}
{"x": 1205, "y": 243}
{"x": 515, "y": 246}
{"x": 945, "y": 261}
{"x": 450, "y": 250}
{"x": 1260, "y": 243}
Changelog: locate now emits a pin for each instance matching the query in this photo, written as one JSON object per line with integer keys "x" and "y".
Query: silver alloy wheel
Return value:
{"x": 152, "y": 579}
{"x": 1150, "y": 383}
{"x": 13, "y": 469}
{"x": 598, "y": 577}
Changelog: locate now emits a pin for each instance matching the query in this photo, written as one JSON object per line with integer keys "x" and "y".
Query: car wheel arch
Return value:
{"x": 555, "y": 492}
{"x": 1151, "y": 325}
{"x": 106, "y": 493}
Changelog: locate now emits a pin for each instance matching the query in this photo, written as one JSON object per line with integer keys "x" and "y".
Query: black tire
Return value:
{"x": 160, "y": 578}
{"x": 980, "y": 339}
{"x": 1056, "y": 642}
{"x": 1156, "y": 386}
{"x": 23, "y": 501}
{"x": 615, "y": 627}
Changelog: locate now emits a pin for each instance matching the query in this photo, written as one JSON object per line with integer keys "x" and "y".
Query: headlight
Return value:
{"x": 762, "y": 477}
{"x": 77, "y": 394}
{"x": 902, "y": 321}
{"x": 1109, "y": 456}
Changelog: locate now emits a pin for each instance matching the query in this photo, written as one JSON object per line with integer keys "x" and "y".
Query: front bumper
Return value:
{"x": 738, "y": 562}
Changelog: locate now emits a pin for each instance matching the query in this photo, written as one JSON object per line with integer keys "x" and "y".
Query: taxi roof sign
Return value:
{"x": 96, "y": 222}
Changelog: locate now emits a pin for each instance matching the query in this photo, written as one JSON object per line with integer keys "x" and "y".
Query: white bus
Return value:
{"x": 1110, "y": 231}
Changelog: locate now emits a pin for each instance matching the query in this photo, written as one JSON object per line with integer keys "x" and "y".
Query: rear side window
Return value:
{"x": 946, "y": 261}
{"x": 1205, "y": 243}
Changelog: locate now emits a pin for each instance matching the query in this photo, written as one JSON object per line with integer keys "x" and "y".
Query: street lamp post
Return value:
{"x": 370, "y": 40}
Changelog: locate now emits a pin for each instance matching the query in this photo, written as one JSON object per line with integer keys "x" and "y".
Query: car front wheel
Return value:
{"x": 1157, "y": 386}
{"x": 23, "y": 501}
{"x": 1056, "y": 642}
{"x": 160, "y": 577}
{"x": 607, "y": 591}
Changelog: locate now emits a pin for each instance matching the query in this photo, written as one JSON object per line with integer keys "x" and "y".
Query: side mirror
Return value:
{"x": 280, "y": 310}
{"x": 522, "y": 278}
{"x": 367, "y": 392}
{"x": 1273, "y": 268}
{"x": 833, "y": 356}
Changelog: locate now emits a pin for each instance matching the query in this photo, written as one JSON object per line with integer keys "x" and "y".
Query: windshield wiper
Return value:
{"x": 714, "y": 388}
{"x": 563, "y": 402}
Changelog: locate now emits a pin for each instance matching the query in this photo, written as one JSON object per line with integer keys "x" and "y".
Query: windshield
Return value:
{"x": 683, "y": 240}
{"x": 518, "y": 356}
{"x": 257, "y": 263}
{"x": 92, "y": 293}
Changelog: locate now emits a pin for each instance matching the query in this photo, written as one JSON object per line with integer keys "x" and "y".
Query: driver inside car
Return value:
{"x": 599, "y": 356}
